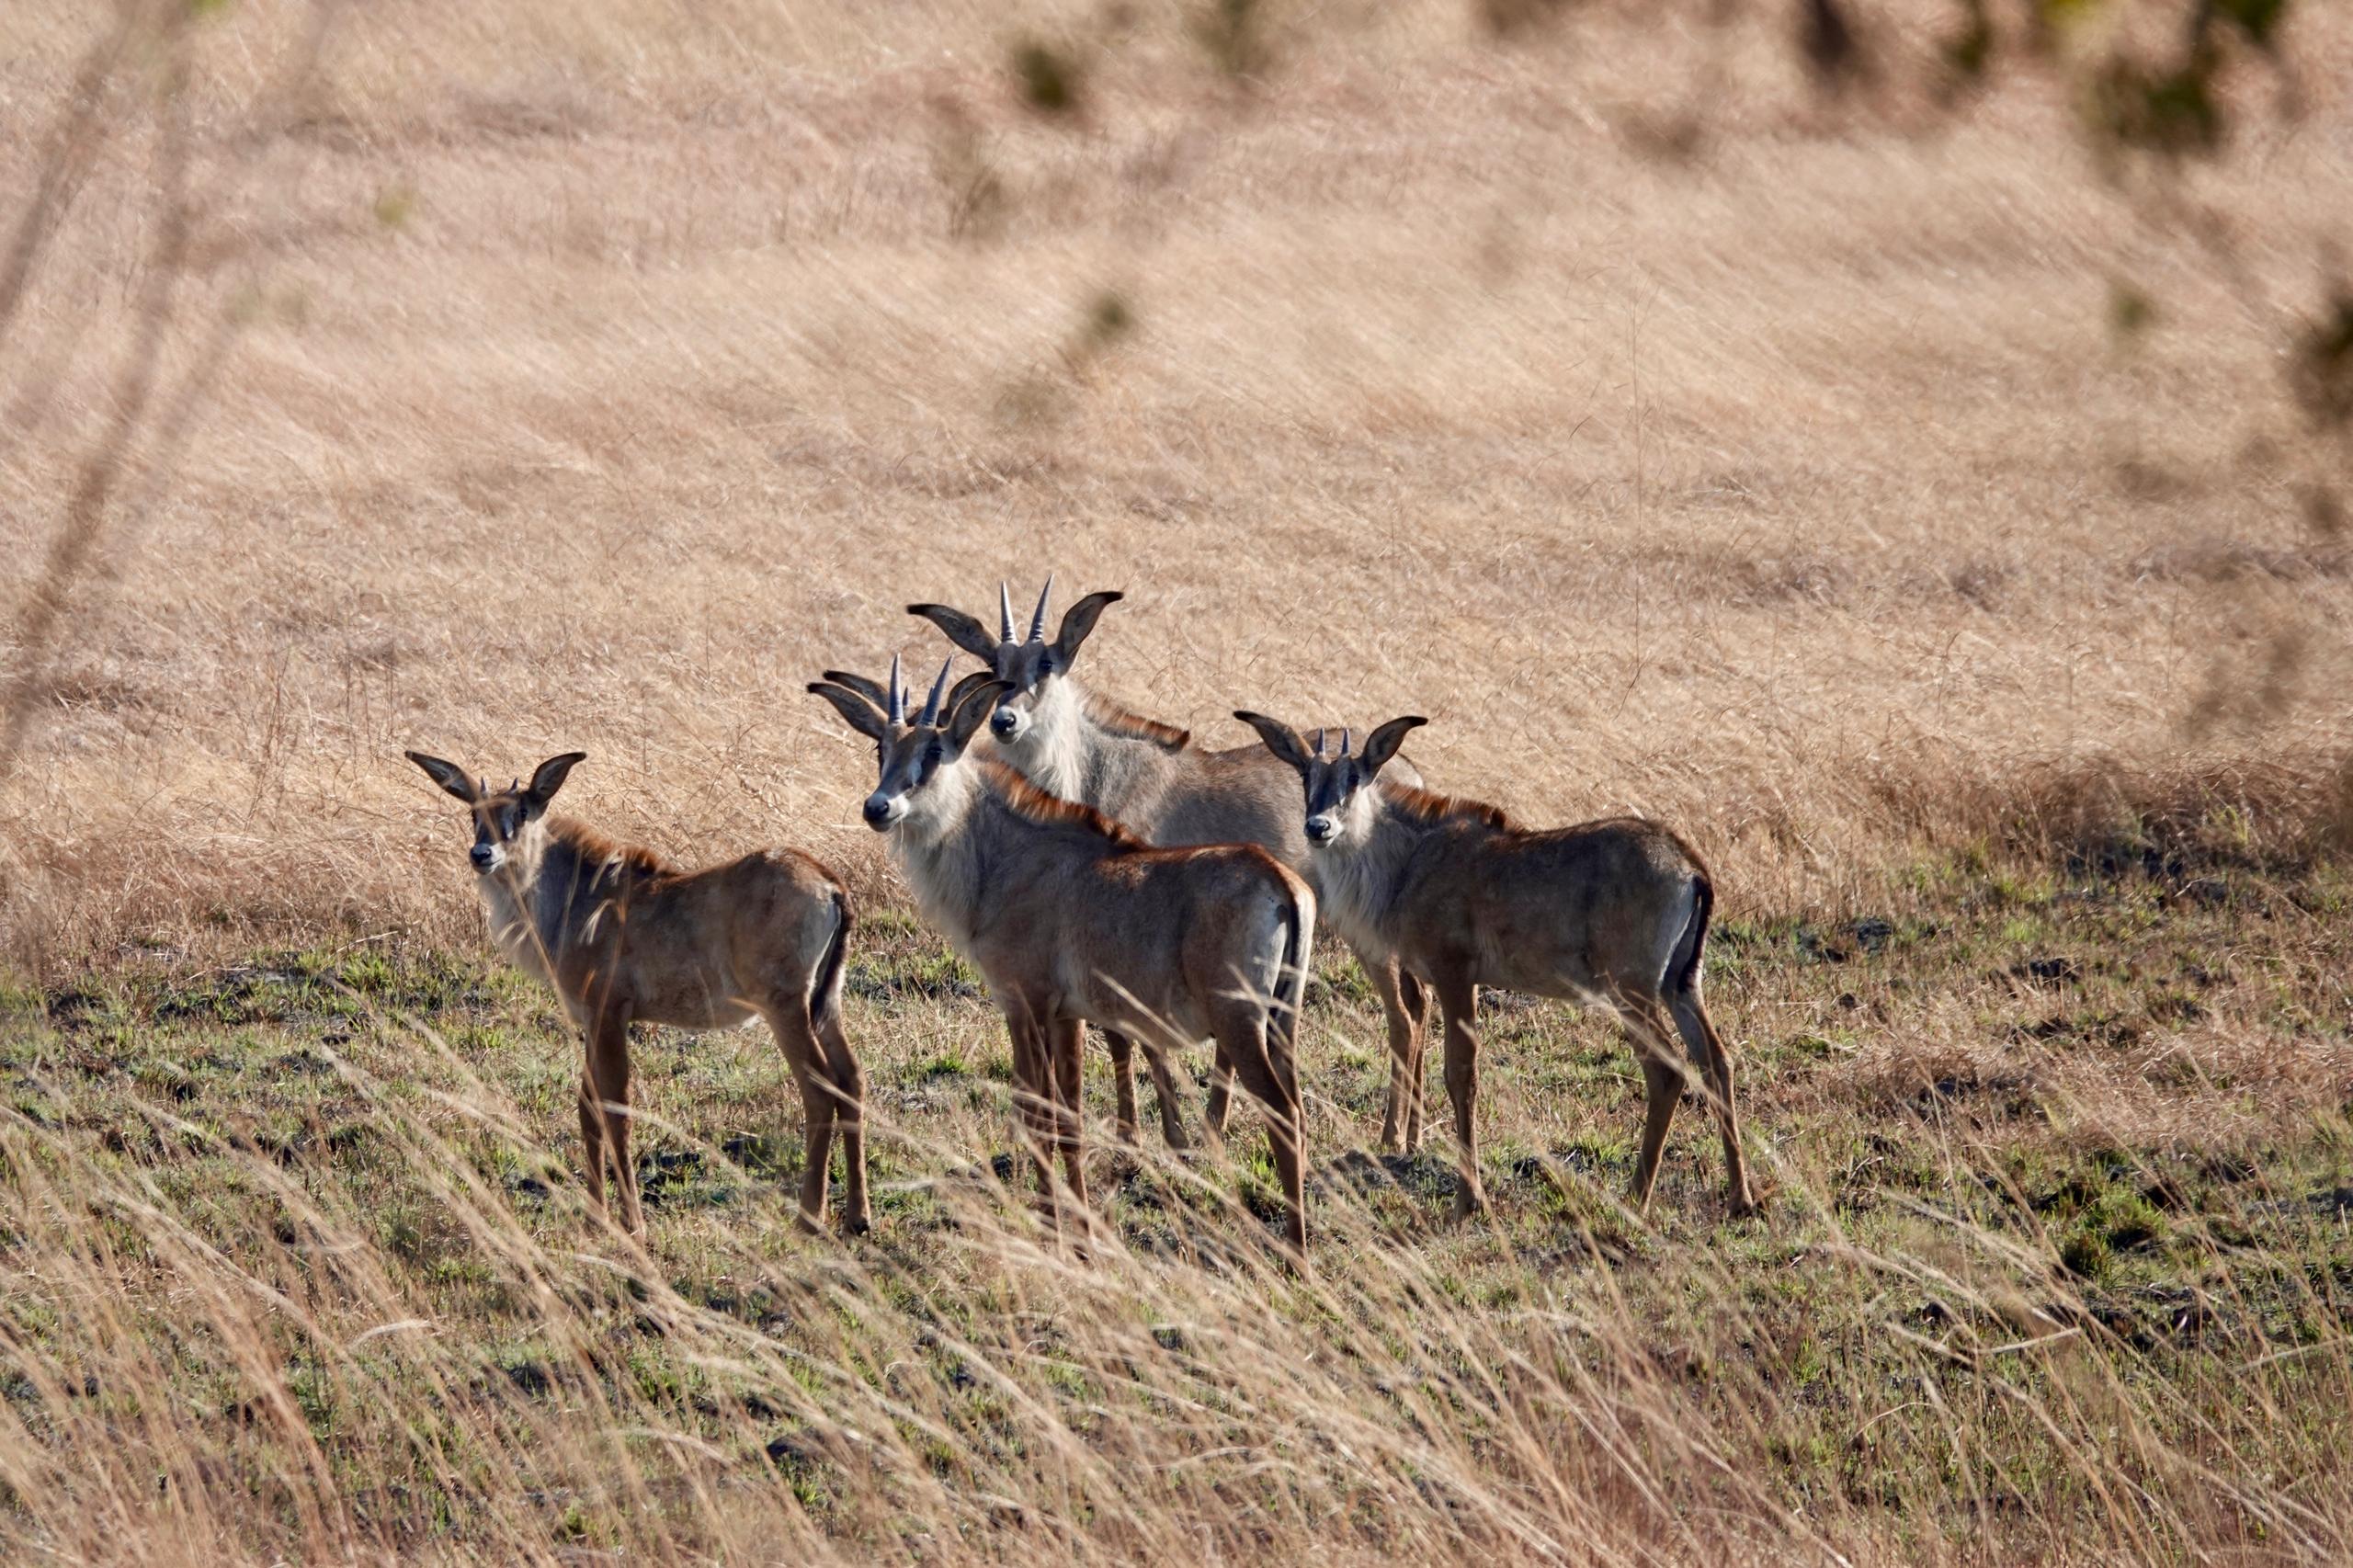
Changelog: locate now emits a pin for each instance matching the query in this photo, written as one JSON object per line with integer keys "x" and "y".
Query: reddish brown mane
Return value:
{"x": 597, "y": 847}
{"x": 1426, "y": 805}
{"x": 1050, "y": 810}
{"x": 1135, "y": 726}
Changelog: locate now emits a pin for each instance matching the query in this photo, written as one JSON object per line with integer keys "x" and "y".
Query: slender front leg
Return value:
{"x": 1400, "y": 1004}
{"x": 1033, "y": 1099}
{"x": 592, "y": 1132}
{"x": 1220, "y": 1103}
{"x": 609, "y": 1077}
{"x": 1421, "y": 1002}
{"x": 1123, "y": 1078}
{"x": 1164, "y": 1086}
{"x": 1065, "y": 1038}
{"x": 1459, "y": 998}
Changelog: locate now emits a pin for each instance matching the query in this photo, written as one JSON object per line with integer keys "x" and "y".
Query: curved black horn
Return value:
{"x": 1037, "y": 621}
{"x": 898, "y": 714}
{"x": 931, "y": 704}
{"x": 1344, "y": 741}
{"x": 1004, "y": 612}
{"x": 1319, "y": 744}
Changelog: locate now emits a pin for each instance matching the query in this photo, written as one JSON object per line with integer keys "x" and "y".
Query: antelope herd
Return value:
{"x": 1097, "y": 867}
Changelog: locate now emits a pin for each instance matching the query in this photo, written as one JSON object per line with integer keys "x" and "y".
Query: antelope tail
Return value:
{"x": 825, "y": 992}
{"x": 1290, "y": 982}
{"x": 1683, "y": 968}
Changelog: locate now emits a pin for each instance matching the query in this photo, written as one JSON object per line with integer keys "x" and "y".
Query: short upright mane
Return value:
{"x": 1424, "y": 805}
{"x": 599, "y": 848}
{"x": 1034, "y": 805}
{"x": 1110, "y": 716}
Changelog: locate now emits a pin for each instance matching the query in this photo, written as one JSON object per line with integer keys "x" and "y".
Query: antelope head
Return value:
{"x": 1338, "y": 780}
{"x": 911, "y": 754}
{"x": 505, "y": 821}
{"x": 1028, "y": 666}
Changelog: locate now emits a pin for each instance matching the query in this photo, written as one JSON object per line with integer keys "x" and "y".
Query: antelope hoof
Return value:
{"x": 1468, "y": 1202}
{"x": 1745, "y": 1206}
{"x": 858, "y": 1224}
{"x": 809, "y": 1224}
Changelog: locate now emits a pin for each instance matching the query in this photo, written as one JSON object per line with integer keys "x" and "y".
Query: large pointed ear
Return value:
{"x": 860, "y": 714}
{"x": 548, "y": 777}
{"x": 961, "y": 629}
{"x": 964, "y": 689}
{"x": 872, "y": 691}
{"x": 978, "y": 703}
{"x": 1078, "y": 623}
{"x": 1280, "y": 738}
{"x": 448, "y": 775}
{"x": 1382, "y": 743}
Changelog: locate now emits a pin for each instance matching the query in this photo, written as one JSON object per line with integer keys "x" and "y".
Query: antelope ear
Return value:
{"x": 976, "y": 705}
{"x": 961, "y": 629}
{"x": 869, "y": 689}
{"x": 855, "y": 709}
{"x": 1382, "y": 743}
{"x": 448, "y": 775}
{"x": 1280, "y": 738}
{"x": 1079, "y": 623}
{"x": 548, "y": 777}
{"x": 964, "y": 689}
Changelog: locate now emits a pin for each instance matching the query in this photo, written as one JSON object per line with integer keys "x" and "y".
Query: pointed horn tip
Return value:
{"x": 1004, "y": 611}
{"x": 1038, "y": 619}
{"x": 931, "y": 704}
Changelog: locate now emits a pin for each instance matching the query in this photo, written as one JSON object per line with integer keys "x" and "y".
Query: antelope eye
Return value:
{"x": 934, "y": 754}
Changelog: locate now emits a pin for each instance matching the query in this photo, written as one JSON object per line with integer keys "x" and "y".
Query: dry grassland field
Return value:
{"x": 1931, "y": 518}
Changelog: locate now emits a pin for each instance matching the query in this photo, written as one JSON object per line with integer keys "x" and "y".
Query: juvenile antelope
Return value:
{"x": 1071, "y": 917}
{"x": 1612, "y": 912}
{"x": 621, "y": 935}
{"x": 1156, "y": 782}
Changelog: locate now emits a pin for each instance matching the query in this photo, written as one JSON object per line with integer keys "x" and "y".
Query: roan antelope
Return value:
{"x": 1614, "y": 912}
{"x": 1071, "y": 917}
{"x": 1156, "y": 782}
{"x": 621, "y": 935}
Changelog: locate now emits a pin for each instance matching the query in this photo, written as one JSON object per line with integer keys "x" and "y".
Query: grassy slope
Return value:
{"x": 612, "y": 375}
{"x": 1759, "y": 463}
{"x": 2057, "y": 1259}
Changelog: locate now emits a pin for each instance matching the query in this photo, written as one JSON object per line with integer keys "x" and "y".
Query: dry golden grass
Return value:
{"x": 601, "y": 380}
{"x": 1679, "y": 440}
